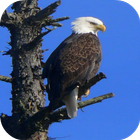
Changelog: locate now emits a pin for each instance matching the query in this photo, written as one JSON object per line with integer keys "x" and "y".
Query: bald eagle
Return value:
{"x": 73, "y": 63}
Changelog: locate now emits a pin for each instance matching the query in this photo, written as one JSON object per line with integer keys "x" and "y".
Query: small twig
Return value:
{"x": 6, "y": 52}
{"x": 2, "y": 51}
{"x": 5, "y": 79}
{"x": 44, "y": 50}
{"x": 54, "y": 22}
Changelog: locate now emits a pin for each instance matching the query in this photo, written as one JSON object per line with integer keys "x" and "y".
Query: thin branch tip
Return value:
{"x": 95, "y": 100}
{"x": 59, "y": 2}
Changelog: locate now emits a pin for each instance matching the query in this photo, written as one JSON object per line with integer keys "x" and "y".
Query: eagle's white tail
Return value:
{"x": 71, "y": 103}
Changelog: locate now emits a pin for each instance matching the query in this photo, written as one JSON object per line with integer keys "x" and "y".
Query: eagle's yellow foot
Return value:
{"x": 86, "y": 94}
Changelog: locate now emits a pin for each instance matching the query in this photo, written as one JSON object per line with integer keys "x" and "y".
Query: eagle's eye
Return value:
{"x": 93, "y": 23}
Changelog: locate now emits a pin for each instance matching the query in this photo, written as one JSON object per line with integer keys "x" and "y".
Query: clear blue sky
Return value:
{"x": 115, "y": 118}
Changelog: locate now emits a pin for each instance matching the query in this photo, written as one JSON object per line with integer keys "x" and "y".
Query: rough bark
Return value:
{"x": 27, "y": 93}
{"x": 25, "y": 28}
{"x": 30, "y": 120}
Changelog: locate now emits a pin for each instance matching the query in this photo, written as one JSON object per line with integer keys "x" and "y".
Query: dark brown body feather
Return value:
{"x": 75, "y": 61}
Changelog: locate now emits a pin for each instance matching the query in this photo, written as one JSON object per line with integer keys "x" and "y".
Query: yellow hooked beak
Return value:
{"x": 101, "y": 27}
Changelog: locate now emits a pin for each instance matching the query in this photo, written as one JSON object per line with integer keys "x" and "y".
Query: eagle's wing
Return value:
{"x": 75, "y": 61}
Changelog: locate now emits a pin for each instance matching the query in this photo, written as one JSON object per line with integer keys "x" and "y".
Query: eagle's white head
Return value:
{"x": 87, "y": 25}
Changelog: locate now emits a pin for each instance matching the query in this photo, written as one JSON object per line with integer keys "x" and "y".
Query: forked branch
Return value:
{"x": 43, "y": 14}
{"x": 43, "y": 17}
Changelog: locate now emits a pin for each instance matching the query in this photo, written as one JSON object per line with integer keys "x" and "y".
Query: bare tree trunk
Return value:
{"x": 30, "y": 120}
{"x": 26, "y": 53}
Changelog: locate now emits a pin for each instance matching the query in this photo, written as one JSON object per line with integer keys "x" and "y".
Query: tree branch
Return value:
{"x": 9, "y": 52}
{"x": 95, "y": 100}
{"x": 42, "y": 119}
{"x": 44, "y": 116}
{"x": 42, "y": 18}
{"x": 43, "y": 14}
{"x": 5, "y": 79}
{"x": 54, "y": 22}
{"x": 61, "y": 113}
{"x": 60, "y": 19}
